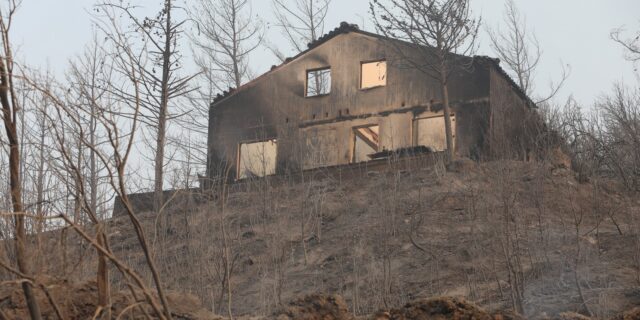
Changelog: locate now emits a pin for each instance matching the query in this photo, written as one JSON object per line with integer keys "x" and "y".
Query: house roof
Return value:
{"x": 143, "y": 202}
{"x": 495, "y": 62}
{"x": 347, "y": 28}
{"x": 343, "y": 28}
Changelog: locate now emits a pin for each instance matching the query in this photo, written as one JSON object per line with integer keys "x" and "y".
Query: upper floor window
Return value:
{"x": 318, "y": 82}
{"x": 373, "y": 74}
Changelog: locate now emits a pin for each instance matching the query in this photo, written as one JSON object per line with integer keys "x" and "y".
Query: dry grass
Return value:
{"x": 78, "y": 301}
{"x": 390, "y": 237}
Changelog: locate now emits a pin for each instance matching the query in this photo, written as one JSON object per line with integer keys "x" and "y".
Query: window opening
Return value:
{"x": 318, "y": 82}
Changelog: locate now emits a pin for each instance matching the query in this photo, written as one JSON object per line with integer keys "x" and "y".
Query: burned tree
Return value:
{"x": 630, "y": 44}
{"x": 519, "y": 49}
{"x": 620, "y": 140}
{"x": 99, "y": 112}
{"x": 516, "y": 46}
{"x": 301, "y": 24}
{"x": 157, "y": 47}
{"x": 227, "y": 35}
{"x": 10, "y": 107}
{"x": 444, "y": 32}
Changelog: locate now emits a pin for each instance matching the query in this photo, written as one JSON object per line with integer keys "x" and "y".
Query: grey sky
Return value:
{"x": 575, "y": 32}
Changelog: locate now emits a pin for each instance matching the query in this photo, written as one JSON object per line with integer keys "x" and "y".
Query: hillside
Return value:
{"x": 505, "y": 235}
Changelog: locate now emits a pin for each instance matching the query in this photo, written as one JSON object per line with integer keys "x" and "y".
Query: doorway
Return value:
{"x": 366, "y": 142}
{"x": 257, "y": 159}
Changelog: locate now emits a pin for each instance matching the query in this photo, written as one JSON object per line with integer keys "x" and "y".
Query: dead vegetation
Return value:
{"x": 501, "y": 234}
{"x": 64, "y": 300}
{"x": 78, "y": 301}
{"x": 633, "y": 314}
{"x": 536, "y": 238}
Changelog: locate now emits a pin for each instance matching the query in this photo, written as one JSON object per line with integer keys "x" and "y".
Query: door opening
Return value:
{"x": 366, "y": 142}
{"x": 257, "y": 159}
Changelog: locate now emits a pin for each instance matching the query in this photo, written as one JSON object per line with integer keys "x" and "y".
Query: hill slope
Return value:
{"x": 503, "y": 234}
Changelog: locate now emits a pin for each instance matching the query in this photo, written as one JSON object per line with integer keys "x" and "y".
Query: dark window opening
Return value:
{"x": 318, "y": 82}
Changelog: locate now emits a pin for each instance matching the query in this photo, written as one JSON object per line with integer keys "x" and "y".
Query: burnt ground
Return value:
{"x": 487, "y": 233}
{"x": 78, "y": 301}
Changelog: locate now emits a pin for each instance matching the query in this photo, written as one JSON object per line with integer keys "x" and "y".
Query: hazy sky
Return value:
{"x": 574, "y": 32}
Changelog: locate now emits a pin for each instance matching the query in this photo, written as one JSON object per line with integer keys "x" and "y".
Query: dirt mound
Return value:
{"x": 317, "y": 307}
{"x": 78, "y": 301}
{"x": 571, "y": 316}
{"x": 633, "y": 314}
{"x": 436, "y": 309}
{"x": 508, "y": 315}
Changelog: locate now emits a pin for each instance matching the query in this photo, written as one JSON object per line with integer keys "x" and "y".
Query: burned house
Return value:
{"x": 348, "y": 98}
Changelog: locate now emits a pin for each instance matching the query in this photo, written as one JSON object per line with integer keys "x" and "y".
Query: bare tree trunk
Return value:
{"x": 228, "y": 33}
{"x": 162, "y": 117}
{"x": 40, "y": 178}
{"x": 518, "y": 48}
{"x": 446, "y": 28}
{"x": 21, "y": 238}
{"x": 226, "y": 248}
{"x": 93, "y": 171}
{"x": 104, "y": 287}
{"x": 77, "y": 201}
{"x": 447, "y": 120}
{"x": 301, "y": 21}
{"x": 9, "y": 110}
{"x": 577, "y": 220}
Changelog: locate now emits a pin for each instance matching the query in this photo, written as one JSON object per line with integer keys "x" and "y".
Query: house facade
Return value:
{"x": 351, "y": 96}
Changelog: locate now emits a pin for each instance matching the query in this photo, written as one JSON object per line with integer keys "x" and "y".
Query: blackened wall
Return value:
{"x": 514, "y": 124}
{"x": 316, "y": 131}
